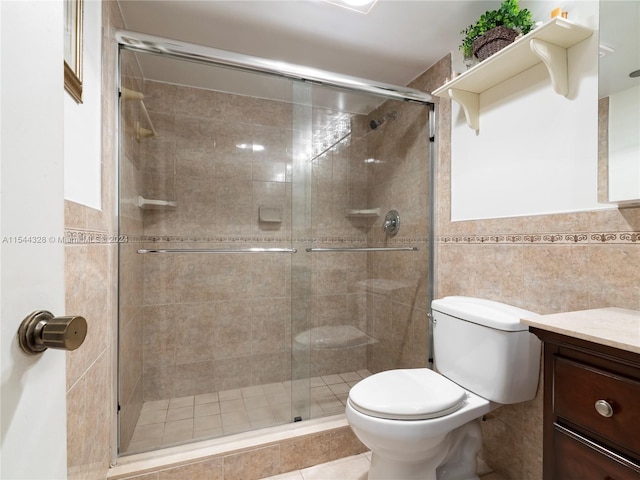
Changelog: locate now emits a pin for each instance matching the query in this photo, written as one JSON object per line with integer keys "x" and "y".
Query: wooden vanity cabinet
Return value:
{"x": 591, "y": 410}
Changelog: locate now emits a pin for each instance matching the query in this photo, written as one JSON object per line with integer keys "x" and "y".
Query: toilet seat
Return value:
{"x": 409, "y": 394}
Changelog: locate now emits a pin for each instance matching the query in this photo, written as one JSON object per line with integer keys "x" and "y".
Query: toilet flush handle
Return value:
{"x": 41, "y": 330}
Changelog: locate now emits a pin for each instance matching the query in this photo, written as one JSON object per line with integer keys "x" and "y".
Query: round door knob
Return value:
{"x": 604, "y": 408}
{"x": 41, "y": 330}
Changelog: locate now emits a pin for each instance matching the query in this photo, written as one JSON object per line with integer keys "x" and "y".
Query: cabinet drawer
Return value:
{"x": 577, "y": 458}
{"x": 577, "y": 388}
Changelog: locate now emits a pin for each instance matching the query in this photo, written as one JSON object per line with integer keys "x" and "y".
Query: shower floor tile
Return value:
{"x": 180, "y": 420}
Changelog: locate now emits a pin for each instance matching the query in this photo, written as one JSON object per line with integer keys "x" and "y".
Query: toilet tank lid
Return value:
{"x": 484, "y": 312}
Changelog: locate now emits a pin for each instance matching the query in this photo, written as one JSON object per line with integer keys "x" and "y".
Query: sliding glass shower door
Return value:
{"x": 257, "y": 285}
{"x": 205, "y": 280}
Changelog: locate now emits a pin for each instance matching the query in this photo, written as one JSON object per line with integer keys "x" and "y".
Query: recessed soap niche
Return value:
{"x": 269, "y": 214}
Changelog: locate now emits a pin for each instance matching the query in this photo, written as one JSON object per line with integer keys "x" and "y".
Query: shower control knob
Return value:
{"x": 391, "y": 223}
{"x": 41, "y": 330}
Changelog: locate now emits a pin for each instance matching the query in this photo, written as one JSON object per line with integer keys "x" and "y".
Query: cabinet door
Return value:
{"x": 577, "y": 388}
{"x": 577, "y": 458}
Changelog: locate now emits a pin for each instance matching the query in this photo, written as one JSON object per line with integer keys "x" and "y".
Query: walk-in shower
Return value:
{"x": 257, "y": 284}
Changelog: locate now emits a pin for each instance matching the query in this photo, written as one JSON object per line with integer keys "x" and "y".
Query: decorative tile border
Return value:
{"x": 84, "y": 237}
{"x": 97, "y": 237}
{"x": 216, "y": 239}
{"x": 626, "y": 237}
{"x": 544, "y": 238}
{"x": 89, "y": 237}
{"x": 80, "y": 237}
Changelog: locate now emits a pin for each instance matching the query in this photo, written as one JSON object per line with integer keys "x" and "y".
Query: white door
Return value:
{"x": 33, "y": 422}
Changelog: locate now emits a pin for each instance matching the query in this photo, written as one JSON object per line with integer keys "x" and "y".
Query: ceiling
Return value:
{"x": 394, "y": 43}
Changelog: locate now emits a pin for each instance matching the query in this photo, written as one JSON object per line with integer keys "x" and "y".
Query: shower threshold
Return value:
{"x": 170, "y": 422}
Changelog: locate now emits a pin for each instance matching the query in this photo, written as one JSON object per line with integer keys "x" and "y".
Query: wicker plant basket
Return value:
{"x": 493, "y": 41}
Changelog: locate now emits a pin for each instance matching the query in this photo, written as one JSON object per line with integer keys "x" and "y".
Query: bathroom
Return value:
{"x": 504, "y": 259}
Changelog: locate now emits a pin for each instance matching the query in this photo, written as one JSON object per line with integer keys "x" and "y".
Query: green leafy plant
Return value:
{"x": 509, "y": 14}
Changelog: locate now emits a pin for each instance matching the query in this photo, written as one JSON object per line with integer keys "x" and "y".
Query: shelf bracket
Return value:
{"x": 555, "y": 59}
{"x": 470, "y": 103}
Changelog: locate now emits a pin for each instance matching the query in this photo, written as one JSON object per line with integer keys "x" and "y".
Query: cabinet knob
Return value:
{"x": 41, "y": 330}
{"x": 604, "y": 408}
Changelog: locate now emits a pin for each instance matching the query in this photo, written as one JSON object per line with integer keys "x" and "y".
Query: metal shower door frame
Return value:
{"x": 150, "y": 44}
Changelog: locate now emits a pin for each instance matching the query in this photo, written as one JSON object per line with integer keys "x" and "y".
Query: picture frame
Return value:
{"x": 73, "y": 12}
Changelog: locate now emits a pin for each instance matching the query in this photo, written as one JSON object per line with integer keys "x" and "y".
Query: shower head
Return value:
{"x": 376, "y": 123}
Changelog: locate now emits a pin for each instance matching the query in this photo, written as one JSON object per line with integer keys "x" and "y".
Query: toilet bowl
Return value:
{"x": 422, "y": 424}
{"x": 413, "y": 424}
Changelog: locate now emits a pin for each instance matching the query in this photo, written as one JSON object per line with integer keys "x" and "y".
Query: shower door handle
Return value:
{"x": 41, "y": 330}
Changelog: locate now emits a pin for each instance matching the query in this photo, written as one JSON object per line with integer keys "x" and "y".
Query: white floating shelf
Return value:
{"x": 547, "y": 44}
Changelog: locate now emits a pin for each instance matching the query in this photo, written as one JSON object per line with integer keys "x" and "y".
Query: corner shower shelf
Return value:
{"x": 148, "y": 204}
{"x": 141, "y": 132}
{"x": 359, "y": 213}
{"x": 547, "y": 43}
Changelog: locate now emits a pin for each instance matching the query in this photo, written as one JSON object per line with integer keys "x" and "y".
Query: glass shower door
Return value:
{"x": 206, "y": 278}
{"x": 257, "y": 285}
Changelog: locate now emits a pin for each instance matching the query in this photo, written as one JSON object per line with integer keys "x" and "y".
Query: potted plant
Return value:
{"x": 495, "y": 29}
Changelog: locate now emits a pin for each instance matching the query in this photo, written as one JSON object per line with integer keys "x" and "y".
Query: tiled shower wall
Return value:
{"x": 338, "y": 183}
{"x": 215, "y": 322}
{"x": 398, "y": 295}
{"x": 547, "y": 264}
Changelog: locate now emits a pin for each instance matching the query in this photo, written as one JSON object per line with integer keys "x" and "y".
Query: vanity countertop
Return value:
{"x": 614, "y": 327}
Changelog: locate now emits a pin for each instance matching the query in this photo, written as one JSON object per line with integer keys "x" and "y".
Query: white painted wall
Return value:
{"x": 33, "y": 392}
{"x": 624, "y": 145}
{"x": 82, "y": 131}
{"x": 536, "y": 151}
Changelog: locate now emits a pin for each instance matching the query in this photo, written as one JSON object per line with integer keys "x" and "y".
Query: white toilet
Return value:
{"x": 423, "y": 425}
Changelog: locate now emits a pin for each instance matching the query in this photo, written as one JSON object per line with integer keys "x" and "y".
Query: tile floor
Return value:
{"x": 349, "y": 468}
{"x": 179, "y": 420}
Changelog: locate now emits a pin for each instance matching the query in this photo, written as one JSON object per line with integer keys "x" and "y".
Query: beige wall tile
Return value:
{"x": 193, "y": 338}
{"x": 89, "y": 421}
{"x": 614, "y": 276}
{"x": 556, "y": 278}
{"x": 269, "y": 368}
{"x": 496, "y": 435}
{"x": 252, "y": 465}
{"x": 587, "y": 269}
{"x": 158, "y": 336}
{"x": 305, "y": 452}
{"x": 455, "y": 277}
{"x": 148, "y": 476}
{"x": 208, "y": 470}
{"x": 86, "y": 274}
{"x": 615, "y": 220}
{"x": 344, "y": 443}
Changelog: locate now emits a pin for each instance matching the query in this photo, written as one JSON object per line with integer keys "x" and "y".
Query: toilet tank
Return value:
{"x": 482, "y": 346}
